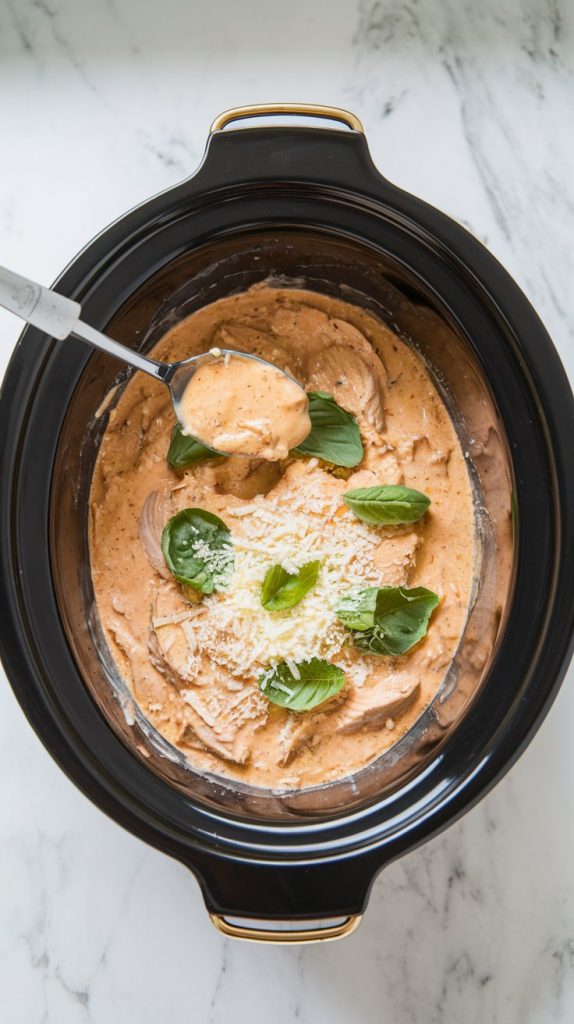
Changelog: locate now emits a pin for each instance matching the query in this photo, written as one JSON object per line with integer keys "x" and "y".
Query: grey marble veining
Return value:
{"x": 469, "y": 106}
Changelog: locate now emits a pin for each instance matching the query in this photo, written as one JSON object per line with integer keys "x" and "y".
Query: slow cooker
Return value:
{"x": 304, "y": 206}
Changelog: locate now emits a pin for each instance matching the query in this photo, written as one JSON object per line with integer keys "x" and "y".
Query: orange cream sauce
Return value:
{"x": 193, "y": 666}
{"x": 239, "y": 405}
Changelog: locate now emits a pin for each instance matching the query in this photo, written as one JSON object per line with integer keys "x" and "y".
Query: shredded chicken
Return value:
{"x": 370, "y": 705}
{"x": 343, "y": 373}
{"x": 154, "y": 515}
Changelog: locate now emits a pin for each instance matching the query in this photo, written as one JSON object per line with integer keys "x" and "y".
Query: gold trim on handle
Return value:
{"x": 303, "y": 109}
{"x": 288, "y": 937}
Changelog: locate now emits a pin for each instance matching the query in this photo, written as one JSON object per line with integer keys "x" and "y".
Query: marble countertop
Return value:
{"x": 469, "y": 106}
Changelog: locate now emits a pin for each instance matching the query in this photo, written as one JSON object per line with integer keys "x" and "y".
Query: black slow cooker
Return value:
{"x": 295, "y": 205}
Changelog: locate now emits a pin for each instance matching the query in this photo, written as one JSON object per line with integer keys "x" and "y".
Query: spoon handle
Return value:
{"x": 161, "y": 371}
{"x": 59, "y": 317}
{"x": 52, "y": 313}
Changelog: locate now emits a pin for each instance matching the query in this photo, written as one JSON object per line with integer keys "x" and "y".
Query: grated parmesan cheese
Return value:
{"x": 234, "y": 630}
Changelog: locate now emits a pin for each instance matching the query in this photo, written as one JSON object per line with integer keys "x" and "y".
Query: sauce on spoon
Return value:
{"x": 235, "y": 404}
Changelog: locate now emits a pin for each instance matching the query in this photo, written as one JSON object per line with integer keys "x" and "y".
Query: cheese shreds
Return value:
{"x": 236, "y": 632}
{"x": 218, "y": 561}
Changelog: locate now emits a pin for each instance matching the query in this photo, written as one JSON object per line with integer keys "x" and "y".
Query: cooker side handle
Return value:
{"x": 325, "y": 113}
{"x": 326, "y": 156}
{"x": 286, "y": 902}
{"x": 285, "y": 933}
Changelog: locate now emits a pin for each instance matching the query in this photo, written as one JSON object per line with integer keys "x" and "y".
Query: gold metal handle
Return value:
{"x": 303, "y": 109}
{"x": 279, "y": 936}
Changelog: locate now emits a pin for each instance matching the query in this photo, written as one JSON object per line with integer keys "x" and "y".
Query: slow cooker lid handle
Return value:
{"x": 326, "y": 113}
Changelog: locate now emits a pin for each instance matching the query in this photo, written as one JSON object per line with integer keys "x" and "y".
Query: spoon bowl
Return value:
{"x": 59, "y": 317}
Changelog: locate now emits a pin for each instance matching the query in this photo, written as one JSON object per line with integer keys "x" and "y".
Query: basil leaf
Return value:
{"x": 388, "y": 620}
{"x": 318, "y": 681}
{"x": 357, "y": 611}
{"x": 387, "y": 504}
{"x": 334, "y": 433}
{"x": 281, "y": 589}
{"x": 198, "y": 550}
{"x": 184, "y": 450}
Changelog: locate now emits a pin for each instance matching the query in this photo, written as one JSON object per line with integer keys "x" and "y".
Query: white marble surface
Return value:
{"x": 470, "y": 106}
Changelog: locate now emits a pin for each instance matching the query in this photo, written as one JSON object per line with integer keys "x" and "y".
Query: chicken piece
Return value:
{"x": 223, "y": 721}
{"x": 370, "y": 705}
{"x": 129, "y": 646}
{"x": 154, "y": 515}
{"x": 297, "y": 732}
{"x": 301, "y": 322}
{"x": 345, "y": 374}
{"x": 147, "y": 685}
{"x": 171, "y": 646}
{"x": 395, "y": 557}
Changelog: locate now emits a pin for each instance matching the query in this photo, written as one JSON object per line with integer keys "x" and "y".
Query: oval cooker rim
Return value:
{"x": 552, "y": 409}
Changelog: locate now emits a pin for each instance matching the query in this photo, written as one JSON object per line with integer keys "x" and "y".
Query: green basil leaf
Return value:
{"x": 388, "y": 620}
{"x": 357, "y": 611}
{"x": 198, "y": 550}
{"x": 281, "y": 589}
{"x": 318, "y": 681}
{"x": 184, "y": 450}
{"x": 387, "y": 504}
{"x": 334, "y": 433}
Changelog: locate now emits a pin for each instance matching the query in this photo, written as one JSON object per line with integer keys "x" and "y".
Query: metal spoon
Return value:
{"x": 59, "y": 317}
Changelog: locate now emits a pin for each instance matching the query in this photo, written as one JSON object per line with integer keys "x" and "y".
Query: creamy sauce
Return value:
{"x": 243, "y": 406}
{"x": 193, "y": 668}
